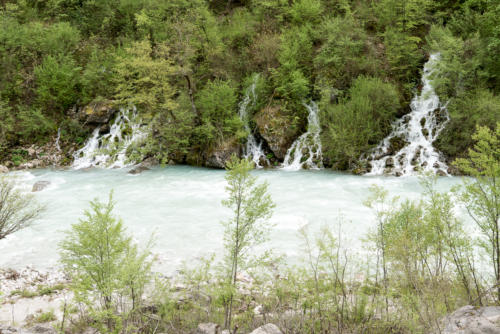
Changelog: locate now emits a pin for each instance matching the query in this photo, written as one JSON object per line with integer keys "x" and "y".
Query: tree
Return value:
{"x": 17, "y": 210}
{"x": 143, "y": 78}
{"x": 219, "y": 121}
{"x": 481, "y": 195}
{"x": 108, "y": 272}
{"x": 57, "y": 80}
{"x": 248, "y": 227}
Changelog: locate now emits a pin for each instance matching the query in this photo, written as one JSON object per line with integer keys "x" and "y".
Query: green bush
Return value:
{"x": 57, "y": 83}
{"x": 467, "y": 111}
{"x": 217, "y": 102}
{"x": 345, "y": 54}
{"x": 359, "y": 122}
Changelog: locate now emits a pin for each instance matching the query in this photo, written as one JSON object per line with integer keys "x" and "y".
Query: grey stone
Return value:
{"x": 40, "y": 185}
{"x": 218, "y": 157}
{"x": 138, "y": 169}
{"x": 43, "y": 329}
{"x": 147, "y": 164}
{"x": 96, "y": 113}
{"x": 267, "y": 329}
{"x": 471, "y": 320}
{"x": 207, "y": 328}
{"x": 8, "y": 330}
{"x": 3, "y": 169}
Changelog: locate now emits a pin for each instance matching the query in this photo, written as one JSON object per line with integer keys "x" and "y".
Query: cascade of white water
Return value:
{"x": 306, "y": 151}
{"x": 58, "y": 146}
{"x": 253, "y": 149}
{"x": 418, "y": 130}
{"x": 109, "y": 150}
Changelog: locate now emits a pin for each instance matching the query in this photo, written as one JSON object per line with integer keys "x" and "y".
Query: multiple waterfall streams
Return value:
{"x": 416, "y": 131}
{"x": 182, "y": 204}
{"x": 253, "y": 149}
{"x": 306, "y": 152}
{"x": 109, "y": 150}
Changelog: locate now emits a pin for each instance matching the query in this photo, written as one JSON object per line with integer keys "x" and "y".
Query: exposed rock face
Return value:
{"x": 267, "y": 329}
{"x": 96, "y": 113}
{"x": 221, "y": 154}
{"x": 471, "y": 320}
{"x": 38, "y": 156}
{"x": 40, "y": 185}
{"x": 207, "y": 328}
{"x": 274, "y": 127}
{"x": 3, "y": 169}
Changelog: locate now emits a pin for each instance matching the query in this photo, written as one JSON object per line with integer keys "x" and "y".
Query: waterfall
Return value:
{"x": 253, "y": 149}
{"x": 306, "y": 152}
{"x": 416, "y": 131}
{"x": 109, "y": 150}
{"x": 57, "y": 145}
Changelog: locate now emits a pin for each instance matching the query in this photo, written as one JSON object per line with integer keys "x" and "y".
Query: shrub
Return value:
{"x": 359, "y": 122}
{"x": 17, "y": 209}
{"x": 108, "y": 271}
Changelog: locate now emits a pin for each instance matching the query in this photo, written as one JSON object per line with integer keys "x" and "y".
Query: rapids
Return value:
{"x": 181, "y": 205}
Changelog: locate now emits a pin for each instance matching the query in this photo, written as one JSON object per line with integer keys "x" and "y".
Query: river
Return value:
{"x": 181, "y": 206}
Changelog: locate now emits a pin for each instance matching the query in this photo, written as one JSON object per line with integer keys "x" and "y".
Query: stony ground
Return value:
{"x": 28, "y": 294}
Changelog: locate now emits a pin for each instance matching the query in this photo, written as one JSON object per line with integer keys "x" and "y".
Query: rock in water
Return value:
{"x": 267, "y": 329}
{"x": 471, "y": 320}
{"x": 3, "y": 169}
{"x": 40, "y": 185}
{"x": 207, "y": 328}
{"x": 143, "y": 166}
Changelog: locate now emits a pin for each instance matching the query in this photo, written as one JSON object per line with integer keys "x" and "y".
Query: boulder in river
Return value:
{"x": 472, "y": 320}
{"x": 267, "y": 329}
{"x": 146, "y": 164}
{"x": 40, "y": 185}
{"x": 3, "y": 169}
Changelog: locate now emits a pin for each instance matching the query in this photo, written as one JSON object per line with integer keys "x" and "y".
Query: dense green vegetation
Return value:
{"x": 184, "y": 64}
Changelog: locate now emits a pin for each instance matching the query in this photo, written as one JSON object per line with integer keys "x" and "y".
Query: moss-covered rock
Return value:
{"x": 276, "y": 128}
{"x": 96, "y": 113}
{"x": 218, "y": 156}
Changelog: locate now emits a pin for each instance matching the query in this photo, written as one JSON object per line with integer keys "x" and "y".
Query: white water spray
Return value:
{"x": 109, "y": 150}
{"x": 306, "y": 151}
{"x": 418, "y": 129}
{"x": 253, "y": 149}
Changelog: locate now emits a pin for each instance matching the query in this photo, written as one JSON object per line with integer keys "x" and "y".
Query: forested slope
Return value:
{"x": 186, "y": 63}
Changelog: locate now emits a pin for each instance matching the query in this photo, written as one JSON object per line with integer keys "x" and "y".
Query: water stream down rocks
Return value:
{"x": 306, "y": 151}
{"x": 408, "y": 149}
{"x": 109, "y": 150}
{"x": 253, "y": 149}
